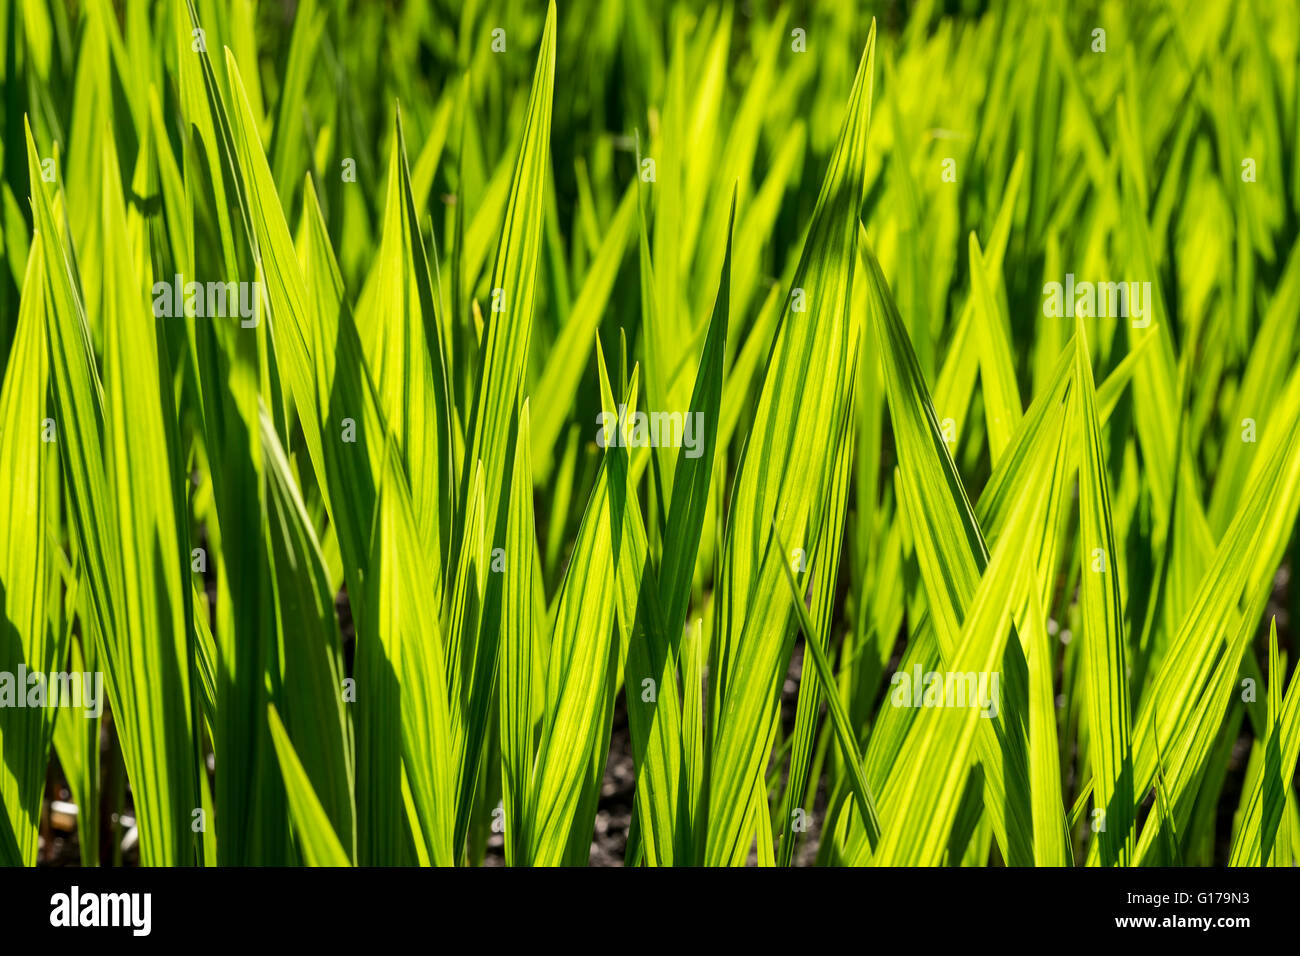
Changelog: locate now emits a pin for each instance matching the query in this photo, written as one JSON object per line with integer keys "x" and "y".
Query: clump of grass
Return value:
{"x": 983, "y": 326}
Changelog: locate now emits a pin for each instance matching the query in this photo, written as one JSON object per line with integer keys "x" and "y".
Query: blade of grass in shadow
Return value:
{"x": 312, "y": 688}
{"x": 319, "y": 843}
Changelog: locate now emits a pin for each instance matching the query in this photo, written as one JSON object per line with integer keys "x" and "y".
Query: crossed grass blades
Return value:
{"x": 366, "y": 590}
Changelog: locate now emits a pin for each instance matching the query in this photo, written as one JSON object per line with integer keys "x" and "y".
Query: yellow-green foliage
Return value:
{"x": 897, "y": 420}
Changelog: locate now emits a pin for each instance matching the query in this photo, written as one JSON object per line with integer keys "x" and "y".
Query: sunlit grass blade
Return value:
{"x": 25, "y": 472}
{"x": 782, "y": 475}
{"x": 1105, "y": 674}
